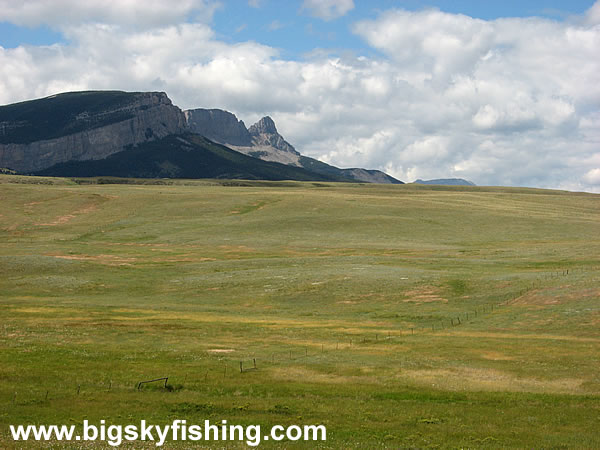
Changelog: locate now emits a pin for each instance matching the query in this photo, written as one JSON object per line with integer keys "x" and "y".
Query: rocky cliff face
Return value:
{"x": 218, "y": 126}
{"x": 74, "y": 127}
{"x": 264, "y": 134}
{"x": 83, "y": 126}
{"x": 263, "y": 141}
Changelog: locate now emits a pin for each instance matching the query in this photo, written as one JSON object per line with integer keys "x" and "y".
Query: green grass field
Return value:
{"x": 398, "y": 316}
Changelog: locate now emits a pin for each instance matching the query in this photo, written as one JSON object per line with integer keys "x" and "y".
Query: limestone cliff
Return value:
{"x": 264, "y": 133}
{"x": 218, "y": 126}
{"x": 80, "y": 126}
{"x": 72, "y": 129}
{"x": 263, "y": 141}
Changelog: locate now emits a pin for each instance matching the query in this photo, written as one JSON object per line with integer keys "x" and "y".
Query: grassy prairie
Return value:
{"x": 398, "y": 316}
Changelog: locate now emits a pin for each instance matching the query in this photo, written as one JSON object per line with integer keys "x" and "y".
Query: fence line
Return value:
{"x": 457, "y": 320}
{"x": 256, "y": 362}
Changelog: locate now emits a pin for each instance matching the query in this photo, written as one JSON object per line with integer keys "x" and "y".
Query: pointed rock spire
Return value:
{"x": 263, "y": 126}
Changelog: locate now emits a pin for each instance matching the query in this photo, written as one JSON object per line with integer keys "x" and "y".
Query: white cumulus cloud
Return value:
{"x": 503, "y": 102}
{"x": 59, "y": 13}
{"x": 328, "y": 9}
{"x": 592, "y": 177}
{"x": 592, "y": 15}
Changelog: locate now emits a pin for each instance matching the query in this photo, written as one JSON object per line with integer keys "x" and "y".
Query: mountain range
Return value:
{"x": 142, "y": 134}
{"x": 263, "y": 141}
{"x": 446, "y": 182}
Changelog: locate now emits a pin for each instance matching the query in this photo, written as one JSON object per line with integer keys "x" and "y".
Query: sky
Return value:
{"x": 499, "y": 93}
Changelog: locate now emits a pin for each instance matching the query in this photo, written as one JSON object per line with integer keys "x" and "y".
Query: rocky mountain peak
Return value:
{"x": 264, "y": 134}
{"x": 266, "y": 125}
{"x": 219, "y": 126}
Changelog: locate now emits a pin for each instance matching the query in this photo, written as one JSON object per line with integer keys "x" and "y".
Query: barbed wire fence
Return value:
{"x": 240, "y": 366}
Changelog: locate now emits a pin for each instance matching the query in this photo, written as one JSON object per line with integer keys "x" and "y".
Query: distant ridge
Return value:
{"x": 183, "y": 156}
{"x": 81, "y": 133}
{"x": 263, "y": 141}
{"x": 447, "y": 182}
